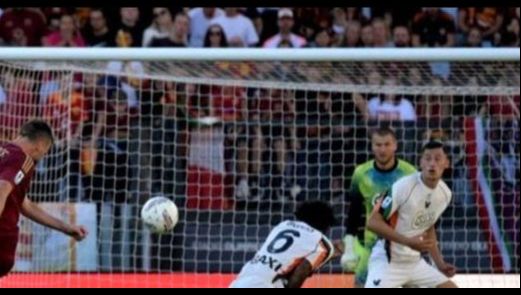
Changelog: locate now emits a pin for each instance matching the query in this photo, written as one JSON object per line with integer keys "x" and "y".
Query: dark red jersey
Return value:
{"x": 16, "y": 168}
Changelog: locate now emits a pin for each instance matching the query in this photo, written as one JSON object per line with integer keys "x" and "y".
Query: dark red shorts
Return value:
{"x": 7, "y": 253}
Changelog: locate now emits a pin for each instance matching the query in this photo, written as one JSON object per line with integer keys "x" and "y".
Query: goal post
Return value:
{"x": 237, "y": 137}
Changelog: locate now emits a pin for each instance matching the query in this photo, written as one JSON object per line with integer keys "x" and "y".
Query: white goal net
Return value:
{"x": 237, "y": 144}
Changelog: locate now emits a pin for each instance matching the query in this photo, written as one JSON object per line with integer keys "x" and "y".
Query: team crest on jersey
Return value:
{"x": 424, "y": 219}
{"x": 387, "y": 202}
{"x": 19, "y": 177}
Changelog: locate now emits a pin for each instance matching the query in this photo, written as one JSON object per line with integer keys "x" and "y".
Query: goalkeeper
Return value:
{"x": 368, "y": 181}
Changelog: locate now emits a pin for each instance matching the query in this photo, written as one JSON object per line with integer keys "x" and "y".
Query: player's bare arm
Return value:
{"x": 379, "y": 226}
{"x": 447, "y": 269}
{"x": 299, "y": 276}
{"x": 38, "y": 215}
{"x": 5, "y": 190}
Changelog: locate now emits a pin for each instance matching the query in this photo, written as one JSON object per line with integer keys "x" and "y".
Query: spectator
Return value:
{"x": 161, "y": 26}
{"x": 453, "y": 12}
{"x": 112, "y": 130}
{"x": 111, "y": 184}
{"x": 249, "y": 148}
{"x": 72, "y": 110}
{"x": 21, "y": 102}
{"x": 434, "y": 108}
{"x": 67, "y": 36}
{"x": 414, "y": 77}
{"x": 322, "y": 39}
{"x": 380, "y": 33}
{"x": 82, "y": 16}
{"x": 129, "y": 32}
{"x": 401, "y": 37}
{"x": 347, "y": 108}
{"x": 215, "y": 37}
{"x": 311, "y": 19}
{"x": 510, "y": 33}
{"x": 339, "y": 21}
{"x": 66, "y": 112}
{"x": 352, "y": 35}
{"x": 109, "y": 84}
{"x": 133, "y": 71}
{"x": 328, "y": 134}
{"x": 200, "y": 19}
{"x": 374, "y": 80}
{"x": 504, "y": 125}
{"x": 468, "y": 105}
{"x": 158, "y": 112}
{"x": 271, "y": 144}
{"x": 355, "y": 14}
{"x": 285, "y": 44}
{"x": 178, "y": 36}
{"x": 359, "y": 104}
{"x": 97, "y": 33}
{"x": 397, "y": 16}
{"x": 53, "y": 15}
{"x": 433, "y": 28}
{"x": 487, "y": 19}
{"x": 391, "y": 107}
{"x": 286, "y": 24}
{"x": 258, "y": 22}
{"x": 264, "y": 20}
{"x": 279, "y": 137}
{"x": 502, "y": 107}
{"x": 51, "y": 82}
{"x": 308, "y": 20}
{"x": 53, "y": 23}
{"x": 227, "y": 103}
{"x": 308, "y": 30}
{"x": 238, "y": 29}
{"x": 474, "y": 38}
{"x": 367, "y": 36}
{"x": 22, "y": 26}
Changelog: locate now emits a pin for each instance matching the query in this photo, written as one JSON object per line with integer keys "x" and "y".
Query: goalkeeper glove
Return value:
{"x": 352, "y": 251}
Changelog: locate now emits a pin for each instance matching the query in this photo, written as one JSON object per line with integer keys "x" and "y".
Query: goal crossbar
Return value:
{"x": 241, "y": 54}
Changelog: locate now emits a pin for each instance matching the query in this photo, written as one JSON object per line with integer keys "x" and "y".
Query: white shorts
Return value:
{"x": 419, "y": 274}
{"x": 253, "y": 282}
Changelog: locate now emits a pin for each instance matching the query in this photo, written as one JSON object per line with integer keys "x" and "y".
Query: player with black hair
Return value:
{"x": 292, "y": 251}
{"x": 404, "y": 219}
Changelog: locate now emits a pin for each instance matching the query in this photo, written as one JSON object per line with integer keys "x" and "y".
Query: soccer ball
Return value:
{"x": 160, "y": 215}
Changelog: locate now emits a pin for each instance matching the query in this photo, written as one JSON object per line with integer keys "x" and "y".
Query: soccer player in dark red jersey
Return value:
{"x": 17, "y": 162}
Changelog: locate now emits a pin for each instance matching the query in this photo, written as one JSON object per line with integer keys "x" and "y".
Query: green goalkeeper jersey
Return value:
{"x": 367, "y": 183}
